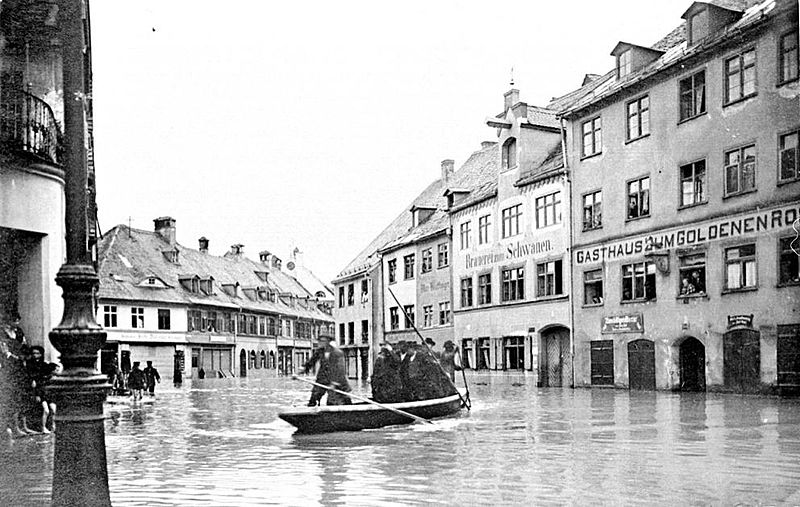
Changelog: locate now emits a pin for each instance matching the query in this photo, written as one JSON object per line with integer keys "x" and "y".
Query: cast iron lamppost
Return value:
{"x": 80, "y": 476}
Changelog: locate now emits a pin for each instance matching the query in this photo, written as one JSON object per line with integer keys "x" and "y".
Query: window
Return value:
{"x": 698, "y": 26}
{"x": 789, "y": 153}
{"x": 272, "y": 328}
{"x": 109, "y": 316}
{"x": 509, "y": 153}
{"x": 351, "y": 294}
{"x": 408, "y": 267}
{"x": 364, "y": 331}
{"x": 194, "y": 320}
{"x": 693, "y": 183}
{"x": 549, "y": 279}
{"x": 592, "y": 137}
{"x": 740, "y": 267}
{"x": 408, "y": 310}
{"x": 638, "y": 118}
{"x": 465, "y": 232}
{"x": 639, "y": 198}
{"x": 593, "y": 287}
{"x": 592, "y": 211}
{"x": 342, "y": 335}
{"x": 740, "y": 76}
{"x": 444, "y": 313}
{"x": 392, "y": 264}
{"x": 624, "y": 64}
{"x": 137, "y": 318}
{"x": 163, "y": 319}
{"x": 364, "y": 291}
{"x": 252, "y": 325}
{"x": 788, "y": 58}
{"x": 351, "y": 333}
{"x": 511, "y": 220}
{"x": 513, "y": 284}
{"x": 740, "y": 170}
{"x": 483, "y": 229}
{"x": 466, "y": 292}
{"x": 639, "y": 281}
{"x": 692, "y": 274}
{"x": 262, "y": 325}
{"x": 485, "y": 289}
{"x": 692, "y": 95}
{"x": 394, "y": 318}
{"x": 427, "y": 315}
{"x": 789, "y": 271}
{"x": 444, "y": 255}
{"x": 341, "y": 297}
{"x": 427, "y": 260}
{"x": 548, "y": 210}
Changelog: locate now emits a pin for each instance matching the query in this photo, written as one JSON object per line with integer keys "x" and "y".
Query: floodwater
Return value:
{"x": 219, "y": 442}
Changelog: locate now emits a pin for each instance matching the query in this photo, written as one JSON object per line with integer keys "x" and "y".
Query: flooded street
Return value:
{"x": 219, "y": 442}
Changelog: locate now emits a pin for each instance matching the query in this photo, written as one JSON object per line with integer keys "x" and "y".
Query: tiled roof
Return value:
{"x": 129, "y": 256}
{"x": 675, "y": 48}
{"x": 552, "y": 163}
{"x": 542, "y": 117}
{"x": 480, "y": 167}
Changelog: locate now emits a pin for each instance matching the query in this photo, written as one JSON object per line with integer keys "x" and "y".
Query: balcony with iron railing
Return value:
{"x": 27, "y": 124}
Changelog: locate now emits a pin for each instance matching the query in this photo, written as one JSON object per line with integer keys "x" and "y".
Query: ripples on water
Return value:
{"x": 219, "y": 442}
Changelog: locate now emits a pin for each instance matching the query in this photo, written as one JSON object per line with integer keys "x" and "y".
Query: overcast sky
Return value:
{"x": 314, "y": 124}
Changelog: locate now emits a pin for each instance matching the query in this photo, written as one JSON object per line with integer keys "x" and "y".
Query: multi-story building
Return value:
{"x": 32, "y": 231}
{"x": 188, "y": 310}
{"x": 685, "y": 206}
{"x": 510, "y": 240}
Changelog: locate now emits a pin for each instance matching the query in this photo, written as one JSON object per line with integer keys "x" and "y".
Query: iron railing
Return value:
{"x": 27, "y": 123}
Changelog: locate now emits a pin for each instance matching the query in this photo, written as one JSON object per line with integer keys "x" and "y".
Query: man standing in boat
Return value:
{"x": 331, "y": 373}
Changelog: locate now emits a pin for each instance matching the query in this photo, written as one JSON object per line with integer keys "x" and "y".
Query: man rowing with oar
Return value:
{"x": 331, "y": 373}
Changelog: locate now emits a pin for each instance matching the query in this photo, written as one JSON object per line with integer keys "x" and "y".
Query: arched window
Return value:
{"x": 509, "y": 153}
{"x": 272, "y": 359}
{"x": 263, "y": 359}
{"x": 252, "y": 359}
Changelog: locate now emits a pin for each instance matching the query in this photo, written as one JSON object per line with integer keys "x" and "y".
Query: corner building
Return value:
{"x": 510, "y": 239}
{"x": 685, "y": 193}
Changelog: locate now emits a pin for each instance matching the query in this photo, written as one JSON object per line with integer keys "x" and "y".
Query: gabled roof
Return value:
{"x": 142, "y": 251}
{"x": 675, "y": 50}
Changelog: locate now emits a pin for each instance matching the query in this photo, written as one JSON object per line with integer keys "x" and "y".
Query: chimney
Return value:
{"x": 511, "y": 98}
{"x": 447, "y": 170}
{"x": 165, "y": 227}
{"x": 237, "y": 250}
{"x": 264, "y": 256}
{"x": 203, "y": 242}
{"x": 487, "y": 144}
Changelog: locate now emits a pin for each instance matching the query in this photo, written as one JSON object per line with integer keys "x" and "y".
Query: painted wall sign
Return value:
{"x": 692, "y": 235}
{"x": 623, "y": 324}
{"x": 740, "y": 321}
{"x": 517, "y": 250}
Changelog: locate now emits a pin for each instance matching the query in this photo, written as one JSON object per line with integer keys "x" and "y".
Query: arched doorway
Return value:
{"x": 692, "y": 365}
{"x": 557, "y": 367}
{"x": 642, "y": 365}
{"x": 243, "y": 363}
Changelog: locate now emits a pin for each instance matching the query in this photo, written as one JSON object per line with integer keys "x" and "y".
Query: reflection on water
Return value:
{"x": 219, "y": 442}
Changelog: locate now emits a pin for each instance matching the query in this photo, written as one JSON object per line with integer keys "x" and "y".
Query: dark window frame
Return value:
{"x": 426, "y": 265}
{"x": 694, "y": 288}
{"x": 443, "y": 255}
{"x": 792, "y": 256}
{"x": 512, "y": 289}
{"x": 740, "y": 72}
{"x": 639, "y": 198}
{"x": 596, "y": 135}
{"x": 543, "y": 291}
{"x": 595, "y": 209}
{"x": 647, "y": 274}
{"x": 690, "y": 95}
{"x": 597, "y": 300}
{"x": 391, "y": 267}
{"x": 703, "y": 187}
{"x": 466, "y": 287}
{"x": 641, "y": 112}
{"x": 464, "y": 234}
{"x": 782, "y": 80}
{"x": 484, "y": 222}
{"x": 511, "y": 218}
{"x": 546, "y": 210}
{"x": 743, "y": 260}
{"x": 485, "y": 288}
{"x": 741, "y": 166}
{"x": 164, "y": 319}
{"x": 793, "y": 152}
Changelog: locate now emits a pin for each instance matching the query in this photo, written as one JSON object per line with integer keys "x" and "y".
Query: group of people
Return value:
{"x": 25, "y": 407}
{"x": 141, "y": 381}
{"x": 407, "y": 371}
{"x": 413, "y": 372}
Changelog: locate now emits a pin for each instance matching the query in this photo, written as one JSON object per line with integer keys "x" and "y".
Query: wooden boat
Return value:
{"x": 362, "y": 416}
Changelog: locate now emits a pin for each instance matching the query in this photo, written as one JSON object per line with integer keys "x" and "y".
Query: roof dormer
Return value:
{"x": 454, "y": 195}
{"x": 171, "y": 255}
{"x": 704, "y": 19}
{"x": 231, "y": 289}
{"x": 153, "y": 282}
{"x": 421, "y": 213}
{"x": 631, "y": 58}
{"x": 190, "y": 283}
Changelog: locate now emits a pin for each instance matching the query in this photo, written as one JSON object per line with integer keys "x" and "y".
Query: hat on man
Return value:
{"x": 430, "y": 342}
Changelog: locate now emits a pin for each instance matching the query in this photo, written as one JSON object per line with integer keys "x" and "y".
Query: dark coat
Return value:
{"x": 136, "y": 379}
{"x": 151, "y": 376}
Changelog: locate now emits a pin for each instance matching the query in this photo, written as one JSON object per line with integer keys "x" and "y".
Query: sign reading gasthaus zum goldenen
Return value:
{"x": 703, "y": 232}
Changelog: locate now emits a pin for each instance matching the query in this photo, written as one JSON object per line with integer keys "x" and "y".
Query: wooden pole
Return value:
{"x": 367, "y": 400}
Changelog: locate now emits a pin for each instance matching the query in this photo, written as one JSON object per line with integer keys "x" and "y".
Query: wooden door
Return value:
{"x": 641, "y": 365}
{"x": 742, "y": 358}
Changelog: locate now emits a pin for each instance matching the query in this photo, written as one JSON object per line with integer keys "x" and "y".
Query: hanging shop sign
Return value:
{"x": 740, "y": 321}
{"x": 633, "y": 323}
{"x": 695, "y": 234}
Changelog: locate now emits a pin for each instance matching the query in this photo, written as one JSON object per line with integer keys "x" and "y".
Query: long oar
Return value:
{"x": 367, "y": 400}
{"x": 464, "y": 376}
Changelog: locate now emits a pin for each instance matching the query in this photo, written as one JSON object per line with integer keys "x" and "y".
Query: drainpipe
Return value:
{"x": 571, "y": 299}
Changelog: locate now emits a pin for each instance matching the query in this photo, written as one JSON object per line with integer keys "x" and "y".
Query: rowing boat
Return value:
{"x": 362, "y": 416}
